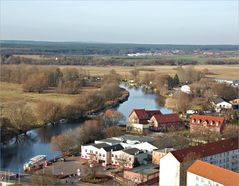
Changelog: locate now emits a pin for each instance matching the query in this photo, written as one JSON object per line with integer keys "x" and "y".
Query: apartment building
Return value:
{"x": 222, "y": 153}
{"x": 201, "y": 173}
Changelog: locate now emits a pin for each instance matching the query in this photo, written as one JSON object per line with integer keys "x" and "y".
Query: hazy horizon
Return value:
{"x": 122, "y": 22}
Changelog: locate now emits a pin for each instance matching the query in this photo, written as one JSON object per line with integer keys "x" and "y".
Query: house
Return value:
{"x": 219, "y": 103}
{"x": 105, "y": 153}
{"x": 201, "y": 173}
{"x": 91, "y": 151}
{"x": 214, "y": 123}
{"x": 141, "y": 116}
{"x": 143, "y": 174}
{"x": 102, "y": 150}
{"x": 186, "y": 89}
{"x": 127, "y": 158}
{"x": 159, "y": 153}
{"x": 163, "y": 122}
{"x": 222, "y": 153}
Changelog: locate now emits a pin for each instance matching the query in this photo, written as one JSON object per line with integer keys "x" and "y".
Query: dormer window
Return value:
{"x": 199, "y": 121}
{"x": 217, "y": 123}
{"x": 211, "y": 122}
{"x": 194, "y": 120}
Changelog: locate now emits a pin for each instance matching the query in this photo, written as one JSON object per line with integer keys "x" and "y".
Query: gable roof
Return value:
{"x": 100, "y": 145}
{"x": 113, "y": 148}
{"x": 145, "y": 114}
{"x": 206, "y": 149}
{"x": 214, "y": 173}
{"x": 209, "y": 121}
{"x": 132, "y": 151}
{"x": 217, "y": 100}
{"x": 167, "y": 118}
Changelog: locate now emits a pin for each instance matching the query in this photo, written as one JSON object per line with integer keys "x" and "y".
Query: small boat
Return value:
{"x": 35, "y": 162}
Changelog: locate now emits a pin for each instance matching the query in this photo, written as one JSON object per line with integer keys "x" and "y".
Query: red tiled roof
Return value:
{"x": 207, "y": 149}
{"x": 153, "y": 112}
{"x": 206, "y": 121}
{"x": 214, "y": 173}
{"x": 167, "y": 118}
{"x": 145, "y": 114}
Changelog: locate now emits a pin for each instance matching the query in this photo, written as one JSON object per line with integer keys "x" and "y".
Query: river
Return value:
{"x": 37, "y": 141}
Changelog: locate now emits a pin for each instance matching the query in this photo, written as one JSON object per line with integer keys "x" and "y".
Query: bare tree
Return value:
{"x": 20, "y": 116}
{"x": 113, "y": 131}
{"x": 49, "y": 112}
{"x": 64, "y": 142}
{"x": 231, "y": 131}
{"x": 112, "y": 117}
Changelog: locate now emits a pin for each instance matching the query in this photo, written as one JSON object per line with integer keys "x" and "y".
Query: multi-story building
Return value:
{"x": 129, "y": 146}
{"x": 213, "y": 123}
{"x": 222, "y": 153}
{"x": 127, "y": 158}
{"x": 142, "y": 116}
{"x": 159, "y": 153}
{"x": 91, "y": 151}
{"x": 201, "y": 173}
{"x": 163, "y": 122}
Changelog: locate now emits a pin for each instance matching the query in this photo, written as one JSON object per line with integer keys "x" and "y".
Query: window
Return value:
{"x": 112, "y": 155}
{"x": 197, "y": 178}
{"x": 85, "y": 150}
{"x": 91, "y": 151}
{"x": 103, "y": 155}
{"x": 96, "y": 152}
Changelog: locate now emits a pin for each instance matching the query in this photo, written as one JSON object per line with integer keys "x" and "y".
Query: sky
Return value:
{"x": 124, "y": 21}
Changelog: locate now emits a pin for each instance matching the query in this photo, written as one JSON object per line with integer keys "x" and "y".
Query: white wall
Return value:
{"x": 169, "y": 171}
{"x": 224, "y": 105}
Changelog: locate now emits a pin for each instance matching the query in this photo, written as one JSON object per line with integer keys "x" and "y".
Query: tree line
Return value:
{"x": 94, "y": 60}
{"x": 40, "y": 79}
{"x": 20, "y": 116}
{"x": 105, "y": 125}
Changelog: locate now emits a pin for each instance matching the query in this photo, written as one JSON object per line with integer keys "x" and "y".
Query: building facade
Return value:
{"x": 164, "y": 122}
{"x": 222, "y": 153}
{"x": 201, "y": 173}
{"x": 213, "y": 123}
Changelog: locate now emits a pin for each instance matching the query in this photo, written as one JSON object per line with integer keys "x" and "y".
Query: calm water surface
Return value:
{"x": 37, "y": 141}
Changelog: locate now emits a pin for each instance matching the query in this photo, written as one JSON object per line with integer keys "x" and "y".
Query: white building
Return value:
{"x": 201, "y": 173}
{"x": 127, "y": 157}
{"x": 103, "y": 150}
{"x": 92, "y": 150}
{"x": 186, "y": 89}
{"x": 219, "y": 103}
{"x": 223, "y": 153}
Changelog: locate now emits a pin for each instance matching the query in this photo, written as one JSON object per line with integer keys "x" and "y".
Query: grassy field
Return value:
{"x": 11, "y": 93}
{"x": 229, "y": 72}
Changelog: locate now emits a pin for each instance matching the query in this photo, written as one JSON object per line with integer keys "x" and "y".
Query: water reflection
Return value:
{"x": 37, "y": 141}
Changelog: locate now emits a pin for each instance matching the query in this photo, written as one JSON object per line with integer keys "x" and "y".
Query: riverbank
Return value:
{"x": 6, "y": 136}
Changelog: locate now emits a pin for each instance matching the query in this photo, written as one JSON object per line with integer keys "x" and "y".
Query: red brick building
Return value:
{"x": 163, "y": 122}
{"x": 212, "y": 122}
